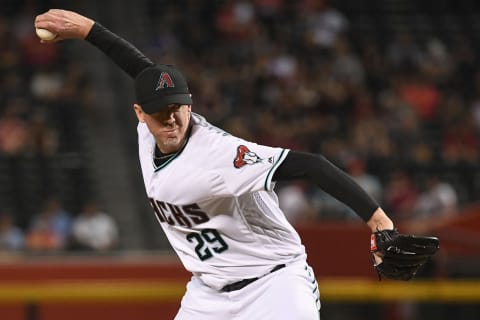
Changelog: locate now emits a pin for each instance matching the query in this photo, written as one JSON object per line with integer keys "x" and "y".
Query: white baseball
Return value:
{"x": 44, "y": 34}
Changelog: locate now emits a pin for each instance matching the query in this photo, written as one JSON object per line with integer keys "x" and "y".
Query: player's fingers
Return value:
{"x": 377, "y": 258}
{"x": 45, "y": 21}
{"x": 53, "y": 20}
{"x": 40, "y": 20}
{"x": 45, "y": 25}
{"x": 49, "y": 15}
{"x": 56, "y": 39}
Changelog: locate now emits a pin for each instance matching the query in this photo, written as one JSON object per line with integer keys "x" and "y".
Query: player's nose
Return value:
{"x": 170, "y": 118}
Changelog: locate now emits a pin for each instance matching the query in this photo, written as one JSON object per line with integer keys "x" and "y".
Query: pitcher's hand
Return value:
{"x": 65, "y": 24}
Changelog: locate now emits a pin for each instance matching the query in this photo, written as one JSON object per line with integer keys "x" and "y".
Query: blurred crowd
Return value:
{"x": 46, "y": 204}
{"x": 402, "y": 116}
{"x": 54, "y": 230}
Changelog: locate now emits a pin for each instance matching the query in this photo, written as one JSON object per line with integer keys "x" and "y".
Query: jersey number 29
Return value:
{"x": 207, "y": 240}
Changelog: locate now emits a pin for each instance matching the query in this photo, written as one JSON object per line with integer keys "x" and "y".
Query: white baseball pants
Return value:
{"x": 287, "y": 294}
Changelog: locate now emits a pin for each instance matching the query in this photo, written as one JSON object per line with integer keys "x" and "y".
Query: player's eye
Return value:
{"x": 174, "y": 108}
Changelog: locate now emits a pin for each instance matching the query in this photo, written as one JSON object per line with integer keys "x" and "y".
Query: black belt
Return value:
{"x": 242, "y": 283}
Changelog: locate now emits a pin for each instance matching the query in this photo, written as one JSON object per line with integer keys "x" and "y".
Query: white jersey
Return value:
{"x": 215, "y": 202}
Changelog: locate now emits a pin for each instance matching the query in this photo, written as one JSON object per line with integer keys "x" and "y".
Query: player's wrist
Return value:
{"x": 86, "y": 24}
{"x": 380, "y": 221}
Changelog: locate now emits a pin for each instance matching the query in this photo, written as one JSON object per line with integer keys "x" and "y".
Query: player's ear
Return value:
{"x": 139, "y": 112}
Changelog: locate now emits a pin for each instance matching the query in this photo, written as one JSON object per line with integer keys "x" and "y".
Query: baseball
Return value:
{"x": 44, "y": 34}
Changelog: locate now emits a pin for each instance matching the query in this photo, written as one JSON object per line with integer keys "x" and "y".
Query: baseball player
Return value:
{"x": 213, "y": 193}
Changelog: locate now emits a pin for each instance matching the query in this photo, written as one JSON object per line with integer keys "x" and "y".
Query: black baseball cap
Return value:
{"x": 160, "y": 85}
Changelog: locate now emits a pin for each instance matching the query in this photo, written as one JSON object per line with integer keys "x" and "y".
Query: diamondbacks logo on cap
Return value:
{"x": 245, "y": 156}
{"x": 165, "y": 81}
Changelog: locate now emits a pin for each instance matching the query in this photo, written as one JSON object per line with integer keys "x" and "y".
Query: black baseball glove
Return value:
{"x": 402, "y": 254}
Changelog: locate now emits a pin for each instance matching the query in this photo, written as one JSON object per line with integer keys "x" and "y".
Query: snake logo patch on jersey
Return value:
{"x": 165, "y": 81}
{"x": 245, "y": 156}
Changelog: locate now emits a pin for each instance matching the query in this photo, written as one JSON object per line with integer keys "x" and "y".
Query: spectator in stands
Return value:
{"x": 235, "y": 21}
{"x": 50, "y": 229}
{"x": 295, "y": 203}
{"x": 420, "y": 94}
{"x": 403, "y": 53}
{"x": 8, "y": 56}
{"x": 357, "y": 168}
{"x": 461, "y": 142}
{"x": 475, "y": 113}
{"x": 400, "y": 194}
{"x": 43, "y": 136}
{"x": 439, "y": 199}
{"x": 13, "y": 128}
{"x": 347, "y": 66}
{"x": 11, "y": 236}
{"x": 405, "y": 129}
{"x": 324, "y": 23}
{"x": 369, "y": 136}
{"x": 46, "y": 84}
{"x": 436, "y": 203}
{"x": 438, "y": 64}
{"x": 94, "y": 230}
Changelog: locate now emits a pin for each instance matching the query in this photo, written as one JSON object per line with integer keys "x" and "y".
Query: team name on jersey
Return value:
{"x": 186, "y": 215}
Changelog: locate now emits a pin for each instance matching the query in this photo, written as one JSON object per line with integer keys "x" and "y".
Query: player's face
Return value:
{"x": 169, "y": 126}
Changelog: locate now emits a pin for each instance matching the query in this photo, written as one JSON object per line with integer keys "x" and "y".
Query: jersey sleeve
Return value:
{"x": 249, "y": 167}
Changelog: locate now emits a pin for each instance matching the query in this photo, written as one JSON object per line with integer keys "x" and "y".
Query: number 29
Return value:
{"x": 207, "y": 241}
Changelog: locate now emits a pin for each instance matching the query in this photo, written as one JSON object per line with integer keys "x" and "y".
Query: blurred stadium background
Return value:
{"x": 389, "y": 90}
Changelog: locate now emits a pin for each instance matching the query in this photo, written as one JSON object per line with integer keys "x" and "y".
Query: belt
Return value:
{"x": 242, "y": 283}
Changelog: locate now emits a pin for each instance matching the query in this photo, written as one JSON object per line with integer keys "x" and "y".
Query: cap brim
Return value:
{"x": 162, "y": 102}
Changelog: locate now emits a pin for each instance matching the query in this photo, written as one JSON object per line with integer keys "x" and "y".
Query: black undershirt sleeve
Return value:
{"x": 331, "y": 179}
{"x": 122, "y": 52}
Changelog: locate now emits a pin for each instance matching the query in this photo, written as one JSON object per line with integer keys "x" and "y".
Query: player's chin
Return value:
{"x": 172, "y": 142}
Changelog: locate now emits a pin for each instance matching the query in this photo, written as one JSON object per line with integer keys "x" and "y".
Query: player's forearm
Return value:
{"x": 120, "y": 51}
